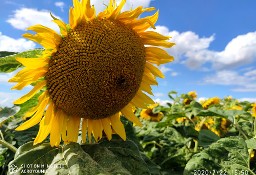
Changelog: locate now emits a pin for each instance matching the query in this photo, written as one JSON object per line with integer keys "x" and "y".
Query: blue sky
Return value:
{"x": 215, "y": 52}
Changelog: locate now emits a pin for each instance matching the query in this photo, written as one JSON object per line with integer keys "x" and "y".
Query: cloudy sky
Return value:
{"x": 215, "y": 52}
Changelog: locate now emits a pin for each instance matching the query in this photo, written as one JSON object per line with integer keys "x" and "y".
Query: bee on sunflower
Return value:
{"x": 96, "y": 69}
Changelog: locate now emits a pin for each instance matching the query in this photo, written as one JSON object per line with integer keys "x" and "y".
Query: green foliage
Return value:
{"x": 116, "y": 157}
{"x": 191, "y": 138}
{"x": 8, "y": 61}
{"x": 191, "y": 135}
{"x": 228, "y": 155}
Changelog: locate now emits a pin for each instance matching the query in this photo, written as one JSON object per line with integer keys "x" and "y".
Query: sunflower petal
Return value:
{"x": 97, "y": 129}
{"x": 26, "y": 97}
{"x": 90, "y": 126}
{"x": 128, "y": 113}
{"x": 84, "y": 130}
{"x": 33, "y": 63}
{"x": 107, "y": 128}
{"x": 36, "y": 118}
{"x": 154, "y": 70}
{"x": 118, "y": 126}
{"x": 55, "y": 135}
{"x": 44, "y": 131}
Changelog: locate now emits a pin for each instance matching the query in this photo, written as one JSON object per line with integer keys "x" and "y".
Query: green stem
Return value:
{"x": 241, "y": 132}
{"x": 254, "y": 127}
{"x": 196, "y": 145}
{"x": 8, "y": 145}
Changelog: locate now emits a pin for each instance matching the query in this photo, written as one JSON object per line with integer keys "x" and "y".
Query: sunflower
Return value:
{"x": 97, "y": 69}
{"x": 147, "y": 114}
{"x": 211, "y": 101}
{"x": 218, "y": 125}
{"x": 254, "y": 109}
{"x": 191, "y": 96}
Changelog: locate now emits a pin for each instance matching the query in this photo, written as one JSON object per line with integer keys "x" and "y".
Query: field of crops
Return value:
{"x": 186, "y": 136}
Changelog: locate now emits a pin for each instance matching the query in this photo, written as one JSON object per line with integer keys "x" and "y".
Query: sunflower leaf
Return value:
{"x": 116, "y": 157}
{"x": 8, "y": 62}
{"x": 225, "y": 156}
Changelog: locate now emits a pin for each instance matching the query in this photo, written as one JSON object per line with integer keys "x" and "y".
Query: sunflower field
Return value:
{"x": 185, "y": 136}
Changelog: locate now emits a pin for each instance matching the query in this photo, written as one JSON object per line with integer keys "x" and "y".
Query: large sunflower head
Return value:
{"x": 96, "y": 69}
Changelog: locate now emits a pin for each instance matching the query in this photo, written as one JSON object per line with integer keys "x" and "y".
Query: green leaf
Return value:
{"x": 227, "y": 155}
{"x": 6, "y": 53}
{"x": 9, "y": 63}
{"x": 6, "y": 113}
{"x": 251, "y": 143}
{"x": 171, "y": 93}
{"x": 207, "y": 137}
{"x": 2, "y": 158}
{"x": 117, "y": 157}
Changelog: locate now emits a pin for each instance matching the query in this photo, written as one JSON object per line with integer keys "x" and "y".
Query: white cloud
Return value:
{"x": 174, "y": 74}
{"x": 242, "y": 82}
{"x": 164, "y": 69}
{"x": 159, "y": 94}
{"x": 239, "y": 51}
{"x": 4, "y": 77}
{"x": 16, "y": 45}
{"x": 194, "y": 51}
{"x": 60, "y": 4}
{"x": 7, "y": 99}
{"x": 101, "y": 5}
{"x": 201, "y": 99}
{"x": 162, "y": 102}
{"x": 25, "y": 17}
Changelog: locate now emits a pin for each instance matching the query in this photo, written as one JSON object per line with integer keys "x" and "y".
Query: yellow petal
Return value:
{"x": 44, "y": 131}
{"x": 55, "y": 135}
{"x": 146, "y": 87}
{"x": 43, "y": 29}
{"x": 32, "y": 75}
{"x": 154, "y": 70}
{"x": 158, "y": 43}
{"x": 63, "y": 130}
{"x": 138, "y": 102}
{"x": 34, "y": 109}
{"x": 75, "y": 130}
{"x": 128, "y": 113}
{"x": 116, "y": 12}
{"x": 118, "y": 126}
{"x": 89, "y": 126}
{"x": 49, "y": 113}
{"x": 26, "y": 97}
{"x": 149, "y": 78}
{"x": 33, "y": 63}
{"x": 21, "y": 85}
{"x": 107, "y": 128}
{"x": 84, "y": 130}
{"x": 141, "y": 26}
{"x": 151, "y": 35}
{"x": 71, "y": 18}
{"x": 62, "y": 26}
{"x": 36, "y": 118}
{"x": 97, "y": 129}
{"x": 140, "y": 95}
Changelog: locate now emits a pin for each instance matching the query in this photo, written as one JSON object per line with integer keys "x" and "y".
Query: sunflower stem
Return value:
{"x": 254, "y": 127}
{"x": 8, "y": 145}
